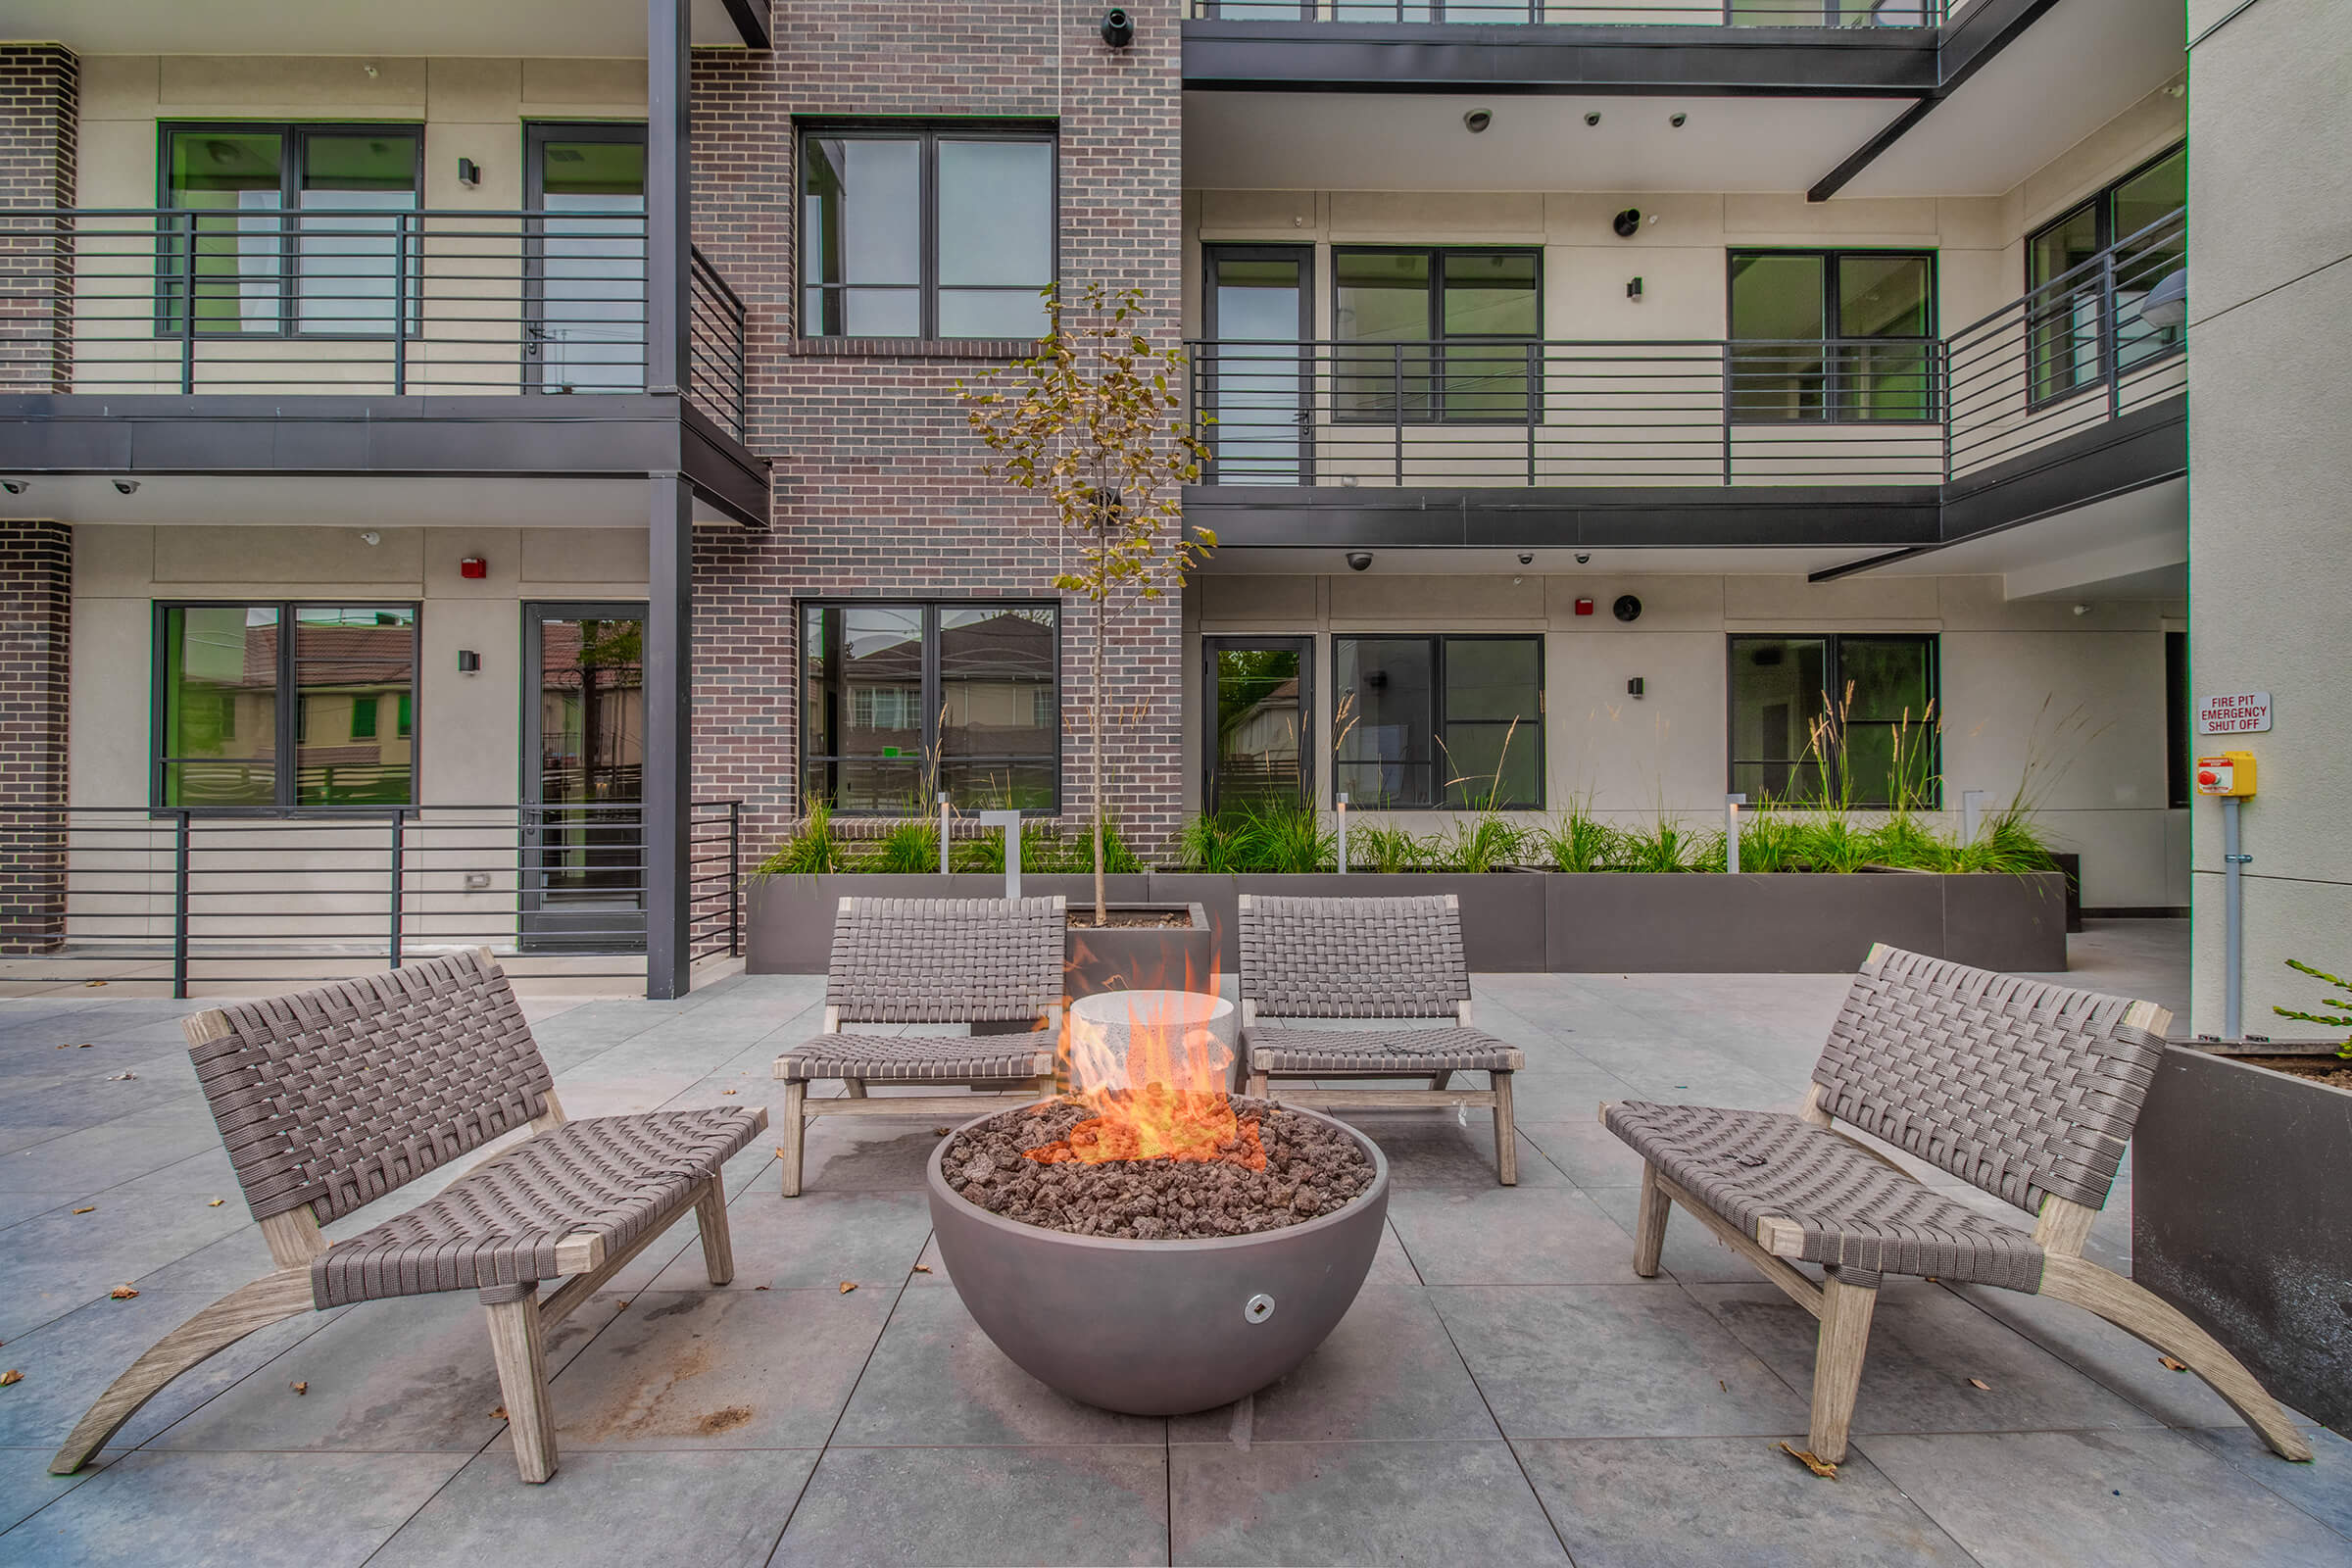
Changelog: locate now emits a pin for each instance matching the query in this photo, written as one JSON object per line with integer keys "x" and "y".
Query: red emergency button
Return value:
{"x": 2209, "y": 778}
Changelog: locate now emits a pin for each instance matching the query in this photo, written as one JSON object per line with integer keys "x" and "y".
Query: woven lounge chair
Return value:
{"x": 930, "y": 961}
{"x": 331, "y": 1097}
{"x": 2029, "y": 1091}
{"x": 1396, "y": 958}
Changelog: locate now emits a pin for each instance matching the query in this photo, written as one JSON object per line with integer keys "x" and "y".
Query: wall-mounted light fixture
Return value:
{"x": 470, "y": 663}
{"x": 2167, "y": 304}
{"x": 1633, "y": 290}
{"x": 469, "y": 172}
{"x": 1633, "y": 688}
{"x": 1118, "y": 28}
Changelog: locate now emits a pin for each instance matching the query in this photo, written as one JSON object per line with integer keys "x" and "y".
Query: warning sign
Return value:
{"x": 2236, "y": 713}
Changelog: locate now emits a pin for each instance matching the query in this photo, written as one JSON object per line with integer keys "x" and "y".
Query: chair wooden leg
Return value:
{"x": 1438, "y": 1080}
{"x": 1258, "y": 1086}
{"x": 1845, "y": 1342}
{"x": 2138, "y": 1311}
{"x": 856, "y": 1087}
{"x": 1650, "y": 1223}
{"x": 266, "y": 1300}
{"x": 1506, "y": 1135}
{"x": 796, "y": 1136}
{"x": 719, "y": 1247}
{"x": 520, "y": 1349}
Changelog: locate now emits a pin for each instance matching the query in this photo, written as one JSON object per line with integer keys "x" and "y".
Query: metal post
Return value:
{"x": 187, "y": 311}
{"x": 400, "y": 321}
{"x": 1535, "y": 410}
{"x": 667, "y": 793}
{"x": 179, "y": 907}
{"x": 669, "y": 219}
{"x": 734, "y": 879}
{"x": 943, "y": 832}
{"x": 1972, "y": 814}
{"x": 1730, "y": 832}
{"x": 2233, "y": 919}
{"x": 1010, "y": 823}
{"x": 400, "y": 861}
{"x": 1340, "y": 800}
{"x": 1728, "y": 383}
{"x": 1397, "y": 413}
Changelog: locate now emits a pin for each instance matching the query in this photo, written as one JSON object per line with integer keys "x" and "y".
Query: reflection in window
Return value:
{"x": 1260, "y": 720}
{"x": 901, "y": 702}
{"x": 876, "y": 260}
{"x": 235, "y": 692}
{"x": 587, "y": 331}
{"x": 1845, "y": 720}
{"x": 1438, "y": 334}
{"x": 1454, "y": 722}
{"x": 2078, "y": 306}
{"x": 1844, "y": 335}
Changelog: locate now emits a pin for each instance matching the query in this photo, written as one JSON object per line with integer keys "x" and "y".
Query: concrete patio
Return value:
{"x": 1505, "y": 1389}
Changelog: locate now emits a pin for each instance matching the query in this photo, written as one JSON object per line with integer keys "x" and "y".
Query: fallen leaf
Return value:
{"x": 847, "y": 1286}
{"x": 12, "y": 1375}
{"x": 1725, "y": 1387}
{"x": 941, "y": 1132}
{"x": 922, "y": 1269}
{"x": 92, "y": 1209}
{"x": 122, "y": 1293}
{"x": 300, "y": 1388}
{"x": 92, "y": 985}
{"x": 216, "y": 1203}
{"x": 2172, "y": 1365}
{"x": 758, "y": 1287}
{"x": 85, "y": 1045}
{"x": 726, "y": 1090}
{"x": 621, "y": 1307}
{"x": 499, "y": 1414}
{"x": 65, "y": 1048}
{"x": 1980, "y": 1383}
{"x": 1820, "y": 1467}
{"x": 120, "y": 1077}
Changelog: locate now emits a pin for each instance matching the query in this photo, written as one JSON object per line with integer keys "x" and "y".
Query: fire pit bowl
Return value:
{"x": 1158, "y": 1327}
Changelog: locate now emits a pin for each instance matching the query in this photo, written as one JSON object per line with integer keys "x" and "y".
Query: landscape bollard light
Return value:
{"x": 1010, "y": 823}
{"x": 1972, "y": 814}
{"x": 943, "y": 832}
{"x": 1340, "y": 801}
{"x": 1731, "y": 831}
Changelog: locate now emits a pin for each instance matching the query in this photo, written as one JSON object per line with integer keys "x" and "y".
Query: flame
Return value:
{"x": 1160, "y": 1092}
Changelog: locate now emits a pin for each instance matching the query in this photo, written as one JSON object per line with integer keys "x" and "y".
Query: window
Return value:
{"x": 1451, "y": 722}
{"x": 1841, "y": 336}
{"x": 240, "y": 242}
{"x": 929, "y": 233}
{"x": 248, "y": 718}
{"x": 902, "y": 701}
{"x": 1835, "y": 719}
{"x": 1428, "y": 335}
{"x": 2086, "y": 315}
{"x": 2175, "y": 719}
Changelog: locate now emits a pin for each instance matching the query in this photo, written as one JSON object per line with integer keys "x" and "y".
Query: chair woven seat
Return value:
{"x": 916, "y": 1059}
{"x": 615, "y": 1176}
{"x": 1859, "y": 1215}
{"x": 1402, "y": 1053}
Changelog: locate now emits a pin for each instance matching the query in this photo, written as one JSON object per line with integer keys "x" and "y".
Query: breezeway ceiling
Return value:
{"x": 582, "y": 28}
{"x": 1415, "y": 141}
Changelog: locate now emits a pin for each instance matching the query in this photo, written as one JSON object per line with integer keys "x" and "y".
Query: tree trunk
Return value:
{"x": 1101, "y": 704}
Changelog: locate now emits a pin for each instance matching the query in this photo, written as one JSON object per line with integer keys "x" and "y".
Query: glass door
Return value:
{"x": 1259, "y": 366}
{"x": 1260, "y": 712}
{"x": 584, "y": 264}
{"x": 583, "y": 767}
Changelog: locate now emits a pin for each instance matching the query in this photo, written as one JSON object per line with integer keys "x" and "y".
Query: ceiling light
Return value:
{"x": 1477, "y": 121}
{"x": 372, "y": 537}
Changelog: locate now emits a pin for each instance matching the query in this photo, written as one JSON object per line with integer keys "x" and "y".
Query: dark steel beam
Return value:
{"x": 1860, "y": 516}
{"x": 669, "y": 773}
{"x": 668, "y": 195}
{"x": 751, "y": 22}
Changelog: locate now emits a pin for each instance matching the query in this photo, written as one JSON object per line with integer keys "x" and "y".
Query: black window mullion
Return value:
{"x": 1440, "y": 757}
{"x": 289, "y": 707}
{"x": 930, "y": 690}
{"x": 927, "y": 241}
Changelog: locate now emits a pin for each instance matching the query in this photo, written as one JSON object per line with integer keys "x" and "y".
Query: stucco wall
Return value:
{"x": 2269, "y": 464}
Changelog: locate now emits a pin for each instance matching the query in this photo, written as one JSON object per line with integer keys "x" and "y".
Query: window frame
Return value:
{"x": 294, "y": 140}
{"x": 1833, "y": 405}
{"x": 1434, "y": 337}
{"x": 2101, "y": 205}
{"x": 1437, "y": 714}
{"x": 1833, "y": 677}
{"x": 932, "y": 686}
{"x": 289, "y": 718}
{"x": 927, "y": 133}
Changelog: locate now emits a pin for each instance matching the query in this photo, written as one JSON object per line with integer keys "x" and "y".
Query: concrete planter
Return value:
{"x": 2237, "y": 1218}
{"x": 1551, "y": 921}
{"x": 1138, "y": 958}
{"x": 1157, "y": 1327}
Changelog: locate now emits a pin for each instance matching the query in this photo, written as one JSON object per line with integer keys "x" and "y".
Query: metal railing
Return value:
{"x": 184, "y": 897}
{"x": 1699, "y": 13}
{"x": 348, "y": 299}
{"x": 2067, "y": 357}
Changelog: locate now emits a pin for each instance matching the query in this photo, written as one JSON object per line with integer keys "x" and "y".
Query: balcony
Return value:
{"x": 1537, "y": 13}
{"x": 359, "y": 340}
{"x": 2062, "y": 395}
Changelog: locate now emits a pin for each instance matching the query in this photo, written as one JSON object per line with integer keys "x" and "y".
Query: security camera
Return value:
{"x": 1627, "y": 223}
{"x": 15, "y": 487}
{"x": 1527, "y": 558}
{"x": 128, "y": 487}
{"x": 1678, "y": 122}
{"x": 1478, "y": 119}
{"x": 1583, "y": 560}
{"x": 1359, "y": 560}
{"x": 1118, "y": 28}
{"x": 1593, "y": 118}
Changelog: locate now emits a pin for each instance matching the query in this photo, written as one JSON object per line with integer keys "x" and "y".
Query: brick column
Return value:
{"x": 39, "y": 91}
{"x": 36, "y": 581}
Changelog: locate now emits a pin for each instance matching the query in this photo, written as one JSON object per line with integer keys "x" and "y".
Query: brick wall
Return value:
{"x": 39, "y": 84}
{"x": 878, "y": 490}
{"x": 36, "y": 578}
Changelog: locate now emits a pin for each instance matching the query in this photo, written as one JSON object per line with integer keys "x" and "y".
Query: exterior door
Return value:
{"x": 583, "y": 769}
{"x": 1257, "y": 367}
{"x": 584, "y": 258}
{"x": 1260, "y": 712}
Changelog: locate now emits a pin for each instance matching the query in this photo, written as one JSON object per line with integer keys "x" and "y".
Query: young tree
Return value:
{"x": 1096, "y": 422}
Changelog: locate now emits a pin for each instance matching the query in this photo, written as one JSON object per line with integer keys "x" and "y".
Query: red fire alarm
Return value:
{"x": 1584, "y": 606}
{"x": 476, "y": 567}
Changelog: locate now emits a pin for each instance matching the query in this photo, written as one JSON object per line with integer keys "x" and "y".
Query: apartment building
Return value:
{"x": 513, "y": 463}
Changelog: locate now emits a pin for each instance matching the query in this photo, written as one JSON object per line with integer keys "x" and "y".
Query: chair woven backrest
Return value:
{"x": 946, "y": 961}
{"x": 1353, "y": 957}
{"x": 336, "y": 1095}
{"x": 2025, "y": 1089}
